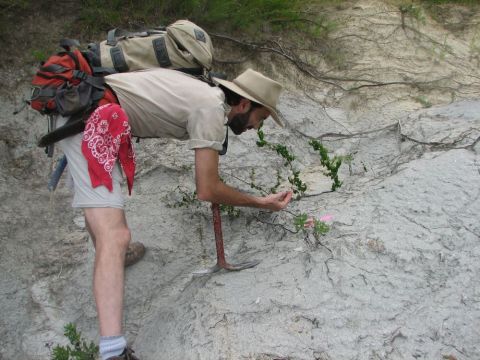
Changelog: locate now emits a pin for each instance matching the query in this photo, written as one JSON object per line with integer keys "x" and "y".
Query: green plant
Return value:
{"x": 249, "y": 16}
{"x": 187, "y": 199}
{"x": 299, "y": 187}
{"x": 230, "y": 210}
{"x": 348, "y": 159}
{"x": 463, "y": 2}
{"x": 302, "y": 223}
{"x": 274, "y": 188}
{"x": 252, "y": 184}
{"x": 184, "y": 198}
{"x": 424, "y": 101}
{"x": 79, "y": 349}
{"x": 320, "y": 227}
{"x": 14, "y": 4}
{"x": 413, "y": 11}
{"x": 332, "y": 165}
{"x": 299, "y": 222}
{"x": 39, "y": 55}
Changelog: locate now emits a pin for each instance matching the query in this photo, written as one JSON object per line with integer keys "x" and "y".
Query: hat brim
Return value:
{"x": 235, "y": 88}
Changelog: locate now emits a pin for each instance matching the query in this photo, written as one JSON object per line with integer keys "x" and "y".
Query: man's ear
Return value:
{"x": 244, "y": 105}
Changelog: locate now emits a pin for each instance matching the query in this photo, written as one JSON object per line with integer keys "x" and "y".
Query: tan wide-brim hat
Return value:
{"x": 256, "y": 87}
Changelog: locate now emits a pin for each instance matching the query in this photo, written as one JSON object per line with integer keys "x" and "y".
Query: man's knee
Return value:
{"x": 108, "y": 227}
{"x": 118, "y": 238}
{"x": 123, "y": 237}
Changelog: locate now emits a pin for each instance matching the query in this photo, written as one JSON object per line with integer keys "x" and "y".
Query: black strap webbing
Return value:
{"x": 161, "y": 52}
{"x": 103, "y": 70}
{"x": 73, "y": 126}
{"x": 111, "y": 37}
{"x": 54, "y": 68}
{"x": 74, "y": 58}
{"x": 69, "y": 43}
{"x": 118, "y": 59}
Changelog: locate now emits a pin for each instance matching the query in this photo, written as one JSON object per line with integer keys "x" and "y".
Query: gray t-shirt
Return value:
{"x": 167, "y": 103}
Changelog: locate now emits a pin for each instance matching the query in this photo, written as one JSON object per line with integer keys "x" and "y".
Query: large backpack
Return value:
{"x": 70, "y": 83}
{"x": 182, "y": 45}
{"x": 65, "y": 84}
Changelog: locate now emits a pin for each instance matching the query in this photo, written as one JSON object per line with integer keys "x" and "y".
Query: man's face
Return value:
{"x": 252, "y": 119}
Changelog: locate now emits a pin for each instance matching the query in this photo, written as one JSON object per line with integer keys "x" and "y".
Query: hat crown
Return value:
{"x": 256, "y": 87}
{"x": 261, "y": 88}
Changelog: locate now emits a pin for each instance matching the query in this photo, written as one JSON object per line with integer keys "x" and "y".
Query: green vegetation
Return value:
{"x": 249, "y": 16}
{"x": 39, "y": 55}
{"x": 299, "y": 221}
{"x": 319, "y": 227}
{"x": 332, "y": 165}
{"x": 414, "y": 11}
{"x": 9, "y": 4}
{"x": 299, "y": 187}
{"x": 230, "y": 210}
{"x": 460, "y": 2}
{"x": 79, "y": 349}
{"x": 187, "y": 199}
{"x": 424, "y": 101}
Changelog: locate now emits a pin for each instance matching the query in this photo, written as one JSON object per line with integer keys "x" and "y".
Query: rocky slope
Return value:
{"x": 395, "y": 278}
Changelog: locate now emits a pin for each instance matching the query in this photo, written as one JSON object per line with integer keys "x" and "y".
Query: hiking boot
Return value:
{"x": 127, "y": 354}
{"x": 135, "y": 252}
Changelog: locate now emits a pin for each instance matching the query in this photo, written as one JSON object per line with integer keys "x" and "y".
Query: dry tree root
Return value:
{"x": 290, "y": 54}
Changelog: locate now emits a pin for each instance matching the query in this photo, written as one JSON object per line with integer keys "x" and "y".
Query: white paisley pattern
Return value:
{"x": 103, "y": 146}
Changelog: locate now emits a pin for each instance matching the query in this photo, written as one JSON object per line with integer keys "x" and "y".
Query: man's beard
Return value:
{"x": 239, "y": 122}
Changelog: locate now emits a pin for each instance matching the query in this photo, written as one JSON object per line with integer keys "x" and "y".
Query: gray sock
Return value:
{"x": 111, "y": 346}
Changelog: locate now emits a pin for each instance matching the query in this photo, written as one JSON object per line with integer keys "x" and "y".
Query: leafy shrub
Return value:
{"x": 244, "y": 15}
{"x": 332, "y": 165}
{"x": 299, "y": 187}
{"x": 79, "y": 349}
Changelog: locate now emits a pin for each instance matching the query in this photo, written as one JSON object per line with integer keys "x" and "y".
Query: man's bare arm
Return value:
{"x": 211, "y": 188}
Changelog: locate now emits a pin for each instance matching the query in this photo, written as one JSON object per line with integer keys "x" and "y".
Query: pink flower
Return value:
{"x": 326, "y": 218}
{"x": 309, "y": 222}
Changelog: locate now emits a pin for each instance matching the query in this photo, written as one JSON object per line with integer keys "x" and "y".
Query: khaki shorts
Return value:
{"x": 84, "y": 195}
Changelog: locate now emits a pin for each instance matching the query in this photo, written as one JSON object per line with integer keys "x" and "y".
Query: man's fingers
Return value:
{"x": 283, "y": 195}
{"x": 279, "y": 201}
{"x": 286, "y": 198}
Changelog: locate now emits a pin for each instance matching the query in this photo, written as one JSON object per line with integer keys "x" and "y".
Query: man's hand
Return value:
{"x": 211, "y": 188}
{"x": 276, "y": 202}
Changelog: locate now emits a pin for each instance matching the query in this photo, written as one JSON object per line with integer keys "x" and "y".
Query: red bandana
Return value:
{"x": 107, "y": 137}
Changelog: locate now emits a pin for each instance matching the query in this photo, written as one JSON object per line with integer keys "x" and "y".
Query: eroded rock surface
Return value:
{"x": 395, "y": 278}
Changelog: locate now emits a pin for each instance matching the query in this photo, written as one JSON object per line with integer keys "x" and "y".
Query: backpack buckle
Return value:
{"x": 34, "y": 93}
{"x": 79, "y": 74}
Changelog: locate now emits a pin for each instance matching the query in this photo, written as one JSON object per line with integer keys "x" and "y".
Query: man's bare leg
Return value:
{"x": 111, "y": 236}
{"x": 135, "y": 250}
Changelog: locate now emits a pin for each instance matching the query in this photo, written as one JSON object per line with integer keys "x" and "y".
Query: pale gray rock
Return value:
{"x": 396, "y": 277}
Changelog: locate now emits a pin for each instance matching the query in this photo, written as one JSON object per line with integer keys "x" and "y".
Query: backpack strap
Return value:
{"x": 225, "y": 144}
{"x": 67, "y": 44}
{"x": 46, "y": 92}
{"x": 118, "y": 59}
{"x": 95, "y": 81}
{"x": 100, "y": 70}
{"x": 112, "y": 37}
{"x": 161, "y": 52}
{"x": 114, "y": 34}
{"x": 54, "y": 68}
{"x": 74, "y": 125}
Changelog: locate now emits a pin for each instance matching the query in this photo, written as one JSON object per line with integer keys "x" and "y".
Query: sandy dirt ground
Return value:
{"x": 396, "y": 277}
